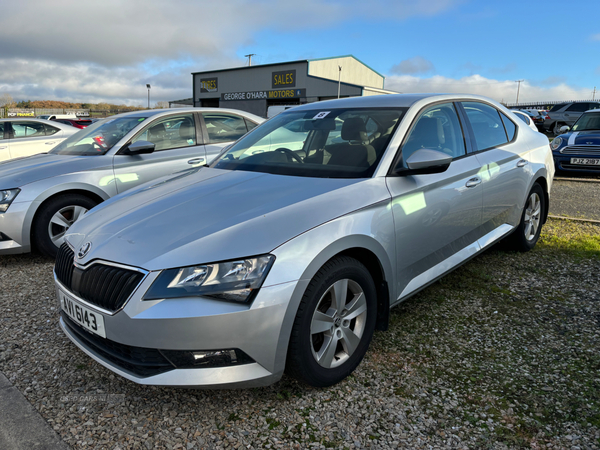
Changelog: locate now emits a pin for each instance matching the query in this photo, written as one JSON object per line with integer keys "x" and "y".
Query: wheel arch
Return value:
{"x": 48, "y": 196}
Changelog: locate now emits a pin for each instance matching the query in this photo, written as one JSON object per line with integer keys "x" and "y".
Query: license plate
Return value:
{"x": 88, "y": 319}
{"x": 586, "y": 161}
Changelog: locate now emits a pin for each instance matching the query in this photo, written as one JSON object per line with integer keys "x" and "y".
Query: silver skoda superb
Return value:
{"x": 288, "y": 251}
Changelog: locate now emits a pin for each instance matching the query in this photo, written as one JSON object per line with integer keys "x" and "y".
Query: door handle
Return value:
{"x": 2, "y": 148}
{"x": 49, "y": 143}
{"x": 473, "y": 182}
{"x": 522, "y": 163}
{"x": 196, "y": 161}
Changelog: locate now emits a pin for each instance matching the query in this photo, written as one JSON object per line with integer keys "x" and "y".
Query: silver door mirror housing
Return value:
{"x": 139, "y": 148}
{"x": 425, "y": 161}
{"x": 564, "y": 128}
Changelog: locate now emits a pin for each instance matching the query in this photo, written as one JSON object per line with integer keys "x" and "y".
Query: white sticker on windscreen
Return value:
{"x": 321, "y": 115}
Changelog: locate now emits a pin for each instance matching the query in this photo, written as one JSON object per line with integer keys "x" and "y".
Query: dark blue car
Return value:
{"x": 578, "y": 148}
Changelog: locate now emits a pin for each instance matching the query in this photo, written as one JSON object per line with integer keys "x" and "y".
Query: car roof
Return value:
{"x": 53, "y": 123}
{"x": 158, "y": 112}
{"x": 387, "y": 101}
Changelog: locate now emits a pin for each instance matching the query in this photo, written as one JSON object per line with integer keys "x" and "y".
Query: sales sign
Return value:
{"x": 287, "y": 78}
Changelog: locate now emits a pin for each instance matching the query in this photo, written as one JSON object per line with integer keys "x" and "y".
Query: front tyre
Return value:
{"x": 334, "y": 324}
{"x": 54, "y": 219}
{"x": 528, "y": 231}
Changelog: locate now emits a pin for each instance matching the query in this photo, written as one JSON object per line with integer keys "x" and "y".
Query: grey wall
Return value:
{"x": 258, "y": 78}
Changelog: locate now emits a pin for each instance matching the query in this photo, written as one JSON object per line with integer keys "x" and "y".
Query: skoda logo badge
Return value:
{"x": 84, "y": 250}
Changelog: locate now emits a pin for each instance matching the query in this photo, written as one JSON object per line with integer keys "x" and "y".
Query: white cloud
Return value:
{"x": 413, "y": 66}
{"x": 499, "y": 90}
{"x": 595, "y": 37}
{"x": 107, "y": 50}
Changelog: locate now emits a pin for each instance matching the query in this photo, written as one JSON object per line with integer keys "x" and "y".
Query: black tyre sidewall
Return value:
{"x": 40, "y": 238}
{"x": 519, "y": 240}
{"x": 300, "y": 362}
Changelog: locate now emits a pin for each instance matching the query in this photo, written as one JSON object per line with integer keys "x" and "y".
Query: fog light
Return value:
{"x": 206, "y": 358}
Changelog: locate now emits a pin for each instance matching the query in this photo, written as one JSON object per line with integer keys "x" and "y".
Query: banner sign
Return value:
{"x": 264, "y": 95}
{"x": 21, "y": 112}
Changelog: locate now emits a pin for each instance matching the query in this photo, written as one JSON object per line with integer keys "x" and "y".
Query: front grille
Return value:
{"x": 105, "y": 286}
{"x": 581, "y": 150}
{"x": 140, "y": 361}
{"x": 108, "y": 287}
{"x": 64, "y": 265}
{"x": 579, "y": 167}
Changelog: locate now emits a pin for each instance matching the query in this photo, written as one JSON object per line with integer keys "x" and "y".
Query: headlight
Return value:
{"x": 6, "y": 198}
{"x": 230, "y": 280}
{"x": 556, "y": 142}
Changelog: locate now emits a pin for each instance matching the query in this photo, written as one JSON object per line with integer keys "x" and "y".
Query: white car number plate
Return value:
{"x": 586, "y": 161}
{"x": 88, "y": 319}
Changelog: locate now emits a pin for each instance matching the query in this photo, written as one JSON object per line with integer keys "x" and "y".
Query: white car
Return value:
{"x": 26, "y": 137}
{"x": 525, "y": 118}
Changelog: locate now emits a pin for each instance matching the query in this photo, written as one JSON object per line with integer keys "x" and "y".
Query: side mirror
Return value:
{"x": 564, "y": 128}
{"x": 425, "y": 161}
{"x": 140, "y": 148}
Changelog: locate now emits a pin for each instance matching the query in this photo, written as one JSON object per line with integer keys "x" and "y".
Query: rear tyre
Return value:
{"x": 334, "y": 324}
{"x": 528, "y": 231}
{"x": 54, "y": 219}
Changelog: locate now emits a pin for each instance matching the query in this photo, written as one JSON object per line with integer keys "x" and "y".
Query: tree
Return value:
{"x": 6, "y": 101}
{"x": 162, "y": 104}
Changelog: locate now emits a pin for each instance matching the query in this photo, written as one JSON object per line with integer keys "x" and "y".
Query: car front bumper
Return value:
{"x": 260, "y": 330}
{"x": 15, "y": 234}
{"x": 563, "y": 164}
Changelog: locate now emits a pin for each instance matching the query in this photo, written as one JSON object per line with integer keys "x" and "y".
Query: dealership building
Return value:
{"x": 255, "y": 88}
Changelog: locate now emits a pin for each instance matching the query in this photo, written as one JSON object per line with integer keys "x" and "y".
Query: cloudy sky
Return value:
{"x": 93, "y": 51}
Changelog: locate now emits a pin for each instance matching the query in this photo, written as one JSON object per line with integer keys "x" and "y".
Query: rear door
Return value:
{"x": 437, "y": 217}
{"x": 178, "y": 146}
{"x": 504, "y": 168}
{"x": 573, "y": 112}
{"x": 29, "y": 138}
{"x": 221, "y": 130}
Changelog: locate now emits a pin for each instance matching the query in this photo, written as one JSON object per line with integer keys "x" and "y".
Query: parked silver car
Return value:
{"x": 566, "y": 114}
{"x": 43, "y": 195}
{"x": 275, "y": 259}
{"x": 21, "y": 137}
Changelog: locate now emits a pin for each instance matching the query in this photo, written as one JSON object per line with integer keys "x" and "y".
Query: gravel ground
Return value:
{"x": 502, "y": 353}
{"x": 580, "y": 199}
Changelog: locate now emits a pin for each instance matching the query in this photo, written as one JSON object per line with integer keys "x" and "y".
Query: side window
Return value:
{"x": 250, "y": 124}
{"x": 437, "y": 128}
{"x": 28, "y": 129}
{"x": 224, "y": 127}
{"x": 50, "y": 130}
{"x": 510, "y": 127}
{"x": 1, "y": 130}
{"x": 486, "y": 124}
{"x": 170, "y": 132}
{"x": 578, "y": 107}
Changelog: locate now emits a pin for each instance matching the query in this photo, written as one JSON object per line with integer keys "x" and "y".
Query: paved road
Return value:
{"x": 580, "y": 198}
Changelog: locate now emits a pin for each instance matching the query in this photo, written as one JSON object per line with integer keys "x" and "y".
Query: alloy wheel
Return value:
{"x": 62, "y": 220}
{"x": 533, "y": 212}
{"x": 338, "y": 323}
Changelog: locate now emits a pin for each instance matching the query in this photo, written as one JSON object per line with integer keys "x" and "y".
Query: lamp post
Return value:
{"x": 148, "y": 86}
{"x": 518, "y": 88}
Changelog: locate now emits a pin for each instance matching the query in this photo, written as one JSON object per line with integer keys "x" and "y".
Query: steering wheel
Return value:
{"x": 288, "y": 152}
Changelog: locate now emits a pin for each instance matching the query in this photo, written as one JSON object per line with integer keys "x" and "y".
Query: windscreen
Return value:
{"x": 587, "y": 122}
{"x": 98, "y": 138}
{"x": 330, "y": 143}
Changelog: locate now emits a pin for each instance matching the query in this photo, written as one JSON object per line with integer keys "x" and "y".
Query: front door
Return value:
{"x": 176, "y": 139}
{"x": 437, "y": 217}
